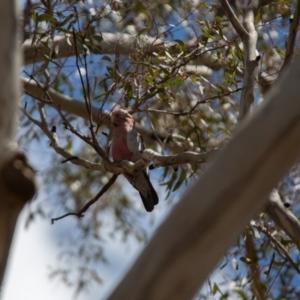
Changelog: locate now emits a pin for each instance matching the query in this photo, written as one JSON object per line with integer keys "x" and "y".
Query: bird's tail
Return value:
{"x": 148, "y": 194}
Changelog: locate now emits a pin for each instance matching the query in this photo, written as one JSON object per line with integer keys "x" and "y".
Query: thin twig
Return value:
{"x": 69, "y": 159}
{"x": 278, "y": 245}
{"x": 240, "y": 29}
{"x": 87, "y": 100}
{"x": 74, "y": 131}
{"x": 272, "y": 283}
{"x": 290, "y": 43}
{"x": 214, "y": 97}
{"x": 81, "y": 212}
{"x": 123, "y": 166}
{"x": 44, "y": 89}
{"x": 54, "y": 143}
{"x": 151, "y": 92}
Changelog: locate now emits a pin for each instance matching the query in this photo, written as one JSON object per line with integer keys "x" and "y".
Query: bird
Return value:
{"x": 127, "y": 144}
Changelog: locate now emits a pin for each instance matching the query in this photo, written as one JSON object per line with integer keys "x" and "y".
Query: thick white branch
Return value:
{"x": 16, "y": 177}
{"x": 283, "y": 217}
{"x": 248, "y": 36}
{"x": 290, "y": 43}
{"x": 112, "y": 43}
{"x": 188, "y": 157}
{"x": 204, "y": 64}
{"x": 239, "y": 28}
{"x": 9, "y": 86}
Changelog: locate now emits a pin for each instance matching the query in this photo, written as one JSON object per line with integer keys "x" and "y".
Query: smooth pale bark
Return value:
{"x": 16, "y": 177}
{"x": 248, "y": 35}
{"x": 122, "y": 43}
{"x": 214, "y": 211}
{"x": 9, "y": 82}
{"x": 283, "y": 218}
{"x": 110, "y": 44}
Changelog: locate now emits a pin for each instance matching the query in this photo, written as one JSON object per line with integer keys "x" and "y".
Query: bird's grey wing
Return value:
{"x": 135, "y": 143}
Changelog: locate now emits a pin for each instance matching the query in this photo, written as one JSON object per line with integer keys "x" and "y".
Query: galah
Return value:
{"x": 127, "y": 144}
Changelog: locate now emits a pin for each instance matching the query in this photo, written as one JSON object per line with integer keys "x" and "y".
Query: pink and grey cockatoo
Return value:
{"x": 127, "y": 144}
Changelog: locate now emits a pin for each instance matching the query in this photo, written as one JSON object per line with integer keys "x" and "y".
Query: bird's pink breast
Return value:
{"x": 119, "y": 148}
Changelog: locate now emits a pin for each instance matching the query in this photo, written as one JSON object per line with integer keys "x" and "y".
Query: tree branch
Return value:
{"x": 279, "y": 246}
{"x": 15, "y": 171}
{"x": 100, "y": 117}
{"x": 239, "y": 28}
{"x": 81, "y": 212}
{"x": 290, "y": 43}
{"x": 110, "y": 44}
{"x": 266, "y": 2}
{"x": 248, "y": 35}
{"x": 278, "y": 213}
{"x": 283, "y": 218}
{"x": 204, "y": 63}
{"x": 14, "y": 168}
{"x": 253, "y": 266}
{"x": 261, "y": 151}
{"x": 251, "y": 60}
{"x": 188, "y": 157}
{"x": 54, "y": 143}
{"x": 78, "y": 108}
{"x": 123, "y": 166}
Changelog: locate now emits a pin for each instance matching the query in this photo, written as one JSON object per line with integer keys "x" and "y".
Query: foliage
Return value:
{"x": 185, "y": 85}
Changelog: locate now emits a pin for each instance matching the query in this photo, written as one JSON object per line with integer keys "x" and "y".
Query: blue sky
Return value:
{"x": 35, "y": 252}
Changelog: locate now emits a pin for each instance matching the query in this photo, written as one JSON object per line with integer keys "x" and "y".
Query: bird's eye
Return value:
{"x": 121, "y": 114}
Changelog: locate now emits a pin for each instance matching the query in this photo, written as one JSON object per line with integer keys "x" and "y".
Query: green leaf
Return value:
{"x": 221, "y": 32}
{"x": 98, "y": 38}
{"x": 207, "y": 24}
{"x": 142, "y": 30}
{"x": 47, "y": 18}
{"x": 215, "y": 289}
{"x": 279, "y": 51}
{"x": 204, "y": 5}
{"x": 206, "y": 33}
{"x": 34, "y": 16}
{"x": 181, "y": 45}
{"x": 180, "y": 180}
{"x": 66, "y": 20}
{"x": 65, "y": 30}
{"x": 242, "y": 294}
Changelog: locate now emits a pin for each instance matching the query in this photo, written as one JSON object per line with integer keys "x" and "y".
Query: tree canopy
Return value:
{"x": 191, "y": 73}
